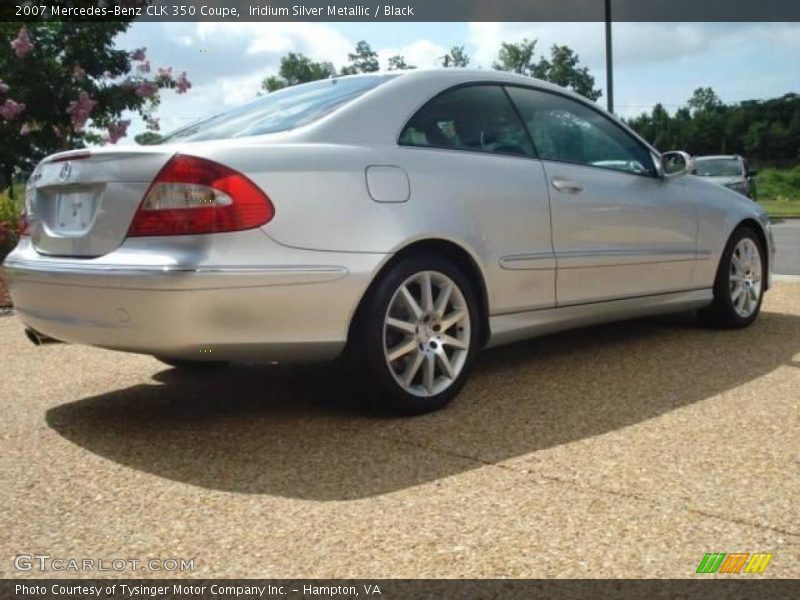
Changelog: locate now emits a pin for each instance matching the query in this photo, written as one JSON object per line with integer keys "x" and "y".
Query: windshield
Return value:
{"x": 279, "y": 111}
{"x": 718, "y": 167}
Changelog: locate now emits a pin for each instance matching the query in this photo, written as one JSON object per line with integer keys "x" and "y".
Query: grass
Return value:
{"x": 780, "y": 208}
{"x": 779, "y": 191}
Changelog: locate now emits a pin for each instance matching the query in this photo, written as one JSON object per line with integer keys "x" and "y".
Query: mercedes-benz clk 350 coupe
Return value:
{"x": 402, "y": 220}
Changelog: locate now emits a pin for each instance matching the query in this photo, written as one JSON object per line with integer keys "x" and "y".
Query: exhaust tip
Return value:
{"x": 39, "y": 339}
{"x": 33, "y": 337}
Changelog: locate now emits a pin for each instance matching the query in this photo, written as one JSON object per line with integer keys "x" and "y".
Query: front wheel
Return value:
{"x": 416, "y": 337}
{"x": 739, "y": 285}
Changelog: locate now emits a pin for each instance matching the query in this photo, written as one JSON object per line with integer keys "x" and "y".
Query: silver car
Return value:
{"x": 731, "y": 171}
{"x": 403, "y": 220}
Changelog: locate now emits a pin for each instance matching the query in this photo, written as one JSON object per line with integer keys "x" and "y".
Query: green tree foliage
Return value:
{"x": 63, "y": 85}
{"x": 147, "y": 137}
{"x": 363, "y": 60}
{"x": 517, "y": 58}
{"x": 704, "y": 99}
{"x": 297, "y": 68}
{"x": 561, "y": 68}
{"x": 10, "y": 215}
{"x": 455, "y": 57}
{"x": 398, "y": 62}
{"x": 762, "y": 130}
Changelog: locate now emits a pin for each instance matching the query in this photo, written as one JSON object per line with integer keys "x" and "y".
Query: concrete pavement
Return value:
{"x": 627, "y": 450}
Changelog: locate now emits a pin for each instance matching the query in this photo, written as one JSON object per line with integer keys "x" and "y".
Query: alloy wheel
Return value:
{"x": 745, "y": 277}
{"x": 426, "y": 333}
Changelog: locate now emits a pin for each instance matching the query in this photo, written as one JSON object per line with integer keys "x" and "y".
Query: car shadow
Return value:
{"x": 299, "y": 432}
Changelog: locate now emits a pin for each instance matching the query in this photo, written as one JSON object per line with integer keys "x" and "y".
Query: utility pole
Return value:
{"x": 609, "y": 61}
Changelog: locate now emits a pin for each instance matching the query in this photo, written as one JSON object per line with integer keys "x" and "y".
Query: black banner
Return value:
{"x": 401, "y": 10}
{"x": 390, "y": 589}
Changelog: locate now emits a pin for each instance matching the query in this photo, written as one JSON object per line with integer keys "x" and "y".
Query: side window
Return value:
{"x": 566, "y": 130}
{"x": 475, "y": 117}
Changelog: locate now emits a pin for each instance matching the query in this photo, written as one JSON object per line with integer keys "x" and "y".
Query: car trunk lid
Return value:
{"x": 81, "y": 204}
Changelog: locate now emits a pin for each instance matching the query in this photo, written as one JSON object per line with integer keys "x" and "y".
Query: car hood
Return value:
{"x": 725, "y": 179}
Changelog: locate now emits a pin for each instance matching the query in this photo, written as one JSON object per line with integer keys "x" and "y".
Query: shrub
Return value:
{"x": 10, "y": 212}
{"x": 777, "y": 184}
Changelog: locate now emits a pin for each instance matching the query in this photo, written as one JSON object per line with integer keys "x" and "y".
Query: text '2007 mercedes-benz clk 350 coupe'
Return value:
{"x": 403, "y": 220}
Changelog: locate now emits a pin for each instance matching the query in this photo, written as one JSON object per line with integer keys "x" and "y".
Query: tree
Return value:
{"x": 456, "y": 57}
{"x": 794, "y": 133}
{"x": 398, "y": 62}
{"x": 756, "y": 140}
{"x": 297, "y": 68}
{"x": 65, "y": 85}
{"x": 363, "y": 60}
{"x": 147, "y": 137}
{"x": 516, "y": 58}
{"x": 273, "y": 83}
{"x": 562, "y": 69}
{"x": 762, "y": 130}
{"x": 704, "y": 99}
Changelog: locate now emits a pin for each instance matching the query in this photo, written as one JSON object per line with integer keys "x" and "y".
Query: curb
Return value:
{"x": 786, "y": 278}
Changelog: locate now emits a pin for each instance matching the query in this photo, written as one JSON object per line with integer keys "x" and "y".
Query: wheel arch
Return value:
{"x": 758, "y": 227}
{"x": 449, "y": 249}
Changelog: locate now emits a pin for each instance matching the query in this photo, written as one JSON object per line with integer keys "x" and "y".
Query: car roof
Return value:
{"x": 365, "y": 119}
{"x": 459, "y": 74}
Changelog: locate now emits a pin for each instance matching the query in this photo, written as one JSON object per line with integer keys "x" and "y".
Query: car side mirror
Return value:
{"x": 676, "y": 163}
{"x": 752, "y": 172}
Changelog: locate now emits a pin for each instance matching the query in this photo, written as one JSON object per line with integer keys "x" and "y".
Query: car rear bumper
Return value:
{"x": 295, "y": 309}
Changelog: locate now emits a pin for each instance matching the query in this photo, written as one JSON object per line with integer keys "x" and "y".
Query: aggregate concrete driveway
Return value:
{"x": 627, "y": 450}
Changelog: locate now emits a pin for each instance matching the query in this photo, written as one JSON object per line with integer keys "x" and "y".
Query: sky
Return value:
{"x": 653, "y": 62}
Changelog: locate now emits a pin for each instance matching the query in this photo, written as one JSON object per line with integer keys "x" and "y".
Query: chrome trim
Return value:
{"x": 529, "y": 262}
{"x": 578, "y": 259}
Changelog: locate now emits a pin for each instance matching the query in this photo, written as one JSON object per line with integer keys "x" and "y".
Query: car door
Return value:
{"x": 474, "y": 177}
{"x": 619, "y": 229}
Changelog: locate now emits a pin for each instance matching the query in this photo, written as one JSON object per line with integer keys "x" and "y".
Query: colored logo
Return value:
{"x": 738, "y": 562}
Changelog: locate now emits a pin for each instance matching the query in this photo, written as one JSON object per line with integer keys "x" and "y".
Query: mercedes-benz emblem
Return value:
{"x": 64, "y": 174}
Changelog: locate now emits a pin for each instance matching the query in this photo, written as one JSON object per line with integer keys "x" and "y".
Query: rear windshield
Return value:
{"x": 279, "y": 111}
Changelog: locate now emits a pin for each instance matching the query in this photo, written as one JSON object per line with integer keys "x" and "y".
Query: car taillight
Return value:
{"x": 193, "y": 195}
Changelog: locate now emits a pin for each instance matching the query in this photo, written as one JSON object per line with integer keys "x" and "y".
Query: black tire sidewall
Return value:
{"x": 722, "y": 311}
{"x": 382, "y": 392}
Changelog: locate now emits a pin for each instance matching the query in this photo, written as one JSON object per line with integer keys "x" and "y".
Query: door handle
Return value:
{"x": 570, "y": 187}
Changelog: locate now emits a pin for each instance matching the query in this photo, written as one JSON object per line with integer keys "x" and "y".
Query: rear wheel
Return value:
{"x": 416, "y": 336}
{"x": 193, "y": 365}
{"x": 739, "y": 285}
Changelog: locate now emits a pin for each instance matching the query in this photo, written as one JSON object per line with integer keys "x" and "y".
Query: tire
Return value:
{"x": 415, "y": 359}
{"x": 192, "y": 365}
{"x": 739, "y": 284}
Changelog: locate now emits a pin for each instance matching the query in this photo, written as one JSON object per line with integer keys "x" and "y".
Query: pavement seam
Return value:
{"x": 653, "y": 501}
{"x": 583, "y": 486}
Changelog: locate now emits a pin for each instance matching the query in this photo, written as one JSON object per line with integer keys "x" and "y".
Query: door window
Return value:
{"x": 476, "y": 117}
{"x": 566, "y": 130}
